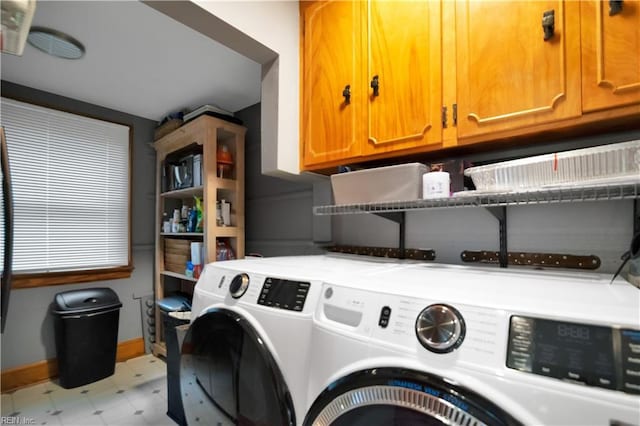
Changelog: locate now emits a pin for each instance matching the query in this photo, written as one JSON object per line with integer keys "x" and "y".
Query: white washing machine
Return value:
{"x": 454, "y": 345}
{"x": 245, "y": 357}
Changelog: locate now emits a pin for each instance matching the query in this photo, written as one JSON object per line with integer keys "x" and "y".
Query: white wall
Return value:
{"x": 275, "y": 24}
{"x": 267, "y": 32}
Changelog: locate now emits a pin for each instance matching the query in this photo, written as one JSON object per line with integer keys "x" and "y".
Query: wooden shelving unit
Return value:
{"x": 202, "y": 135}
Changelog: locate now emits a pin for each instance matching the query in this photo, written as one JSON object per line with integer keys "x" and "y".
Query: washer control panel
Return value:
{"x": 284, "y": 294}
{"x": 593, "y": 355}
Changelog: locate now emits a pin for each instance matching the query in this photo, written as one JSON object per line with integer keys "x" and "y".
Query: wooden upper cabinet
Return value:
{"x": 332, "y": 128}
{"x": 508, "y": 76}
{"x": 347, "y": 44}
{"x": 610, "y": 54}
{"x": 404, "y": 53}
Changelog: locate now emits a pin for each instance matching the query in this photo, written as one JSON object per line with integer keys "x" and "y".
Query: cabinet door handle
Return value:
{"x": 375, "y": 85}
{"x": 615, "y": 7}
{"x": 548, "y": 24}
{"x": 347, "y": 94}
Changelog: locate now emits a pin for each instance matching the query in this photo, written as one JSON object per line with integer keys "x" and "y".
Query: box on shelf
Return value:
{"x": 392, "y": 183}
{"x": 181, "y": 174}
{"x": 618, "y": 160}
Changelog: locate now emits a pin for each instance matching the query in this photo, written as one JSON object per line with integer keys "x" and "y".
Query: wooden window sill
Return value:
{"x": 70, "y": 277}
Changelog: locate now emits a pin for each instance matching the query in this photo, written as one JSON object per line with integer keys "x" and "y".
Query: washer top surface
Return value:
{"x": 568, "y": 294}
{"x": 312, "y": 267}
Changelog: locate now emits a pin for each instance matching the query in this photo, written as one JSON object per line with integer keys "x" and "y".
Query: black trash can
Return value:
{"x": 174, "y": 398}
{"x": 86, "y": 331}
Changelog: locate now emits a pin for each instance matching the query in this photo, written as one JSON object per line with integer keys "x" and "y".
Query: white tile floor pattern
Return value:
{"x": 136, "y": 394}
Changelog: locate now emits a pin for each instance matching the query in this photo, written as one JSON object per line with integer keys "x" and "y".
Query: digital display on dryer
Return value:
{"x": 563, "y": 350}
{"x": 284, "y": 294}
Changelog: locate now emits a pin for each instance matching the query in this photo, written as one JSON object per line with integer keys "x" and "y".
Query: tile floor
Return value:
{"x": 135, "y": 395}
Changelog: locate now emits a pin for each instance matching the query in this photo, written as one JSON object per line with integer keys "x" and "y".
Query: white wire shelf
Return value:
{"x": 558, "y": 194}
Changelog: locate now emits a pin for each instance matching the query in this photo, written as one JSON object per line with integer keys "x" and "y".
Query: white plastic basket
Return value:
{"x": 582, "y": 165}
{"x": 392, "y": 183}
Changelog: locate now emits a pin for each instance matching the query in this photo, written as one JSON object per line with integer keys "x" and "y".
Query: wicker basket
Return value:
{"x": 166, "y": 128}
{"x": 177, "y": 252}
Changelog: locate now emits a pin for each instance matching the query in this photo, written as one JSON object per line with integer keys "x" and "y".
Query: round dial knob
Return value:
{"x": 440, "y": 328}
{"x": 239, "y": 285}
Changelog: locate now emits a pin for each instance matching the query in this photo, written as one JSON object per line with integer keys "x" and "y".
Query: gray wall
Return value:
{"x": 278, "y": 212}
{"x": 279, "y": 216}
{"x": 602, "y": 228}
{"x": 28, "y": 335}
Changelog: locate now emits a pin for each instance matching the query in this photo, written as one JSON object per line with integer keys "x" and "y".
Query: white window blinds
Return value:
{"x": 70, "y": 178}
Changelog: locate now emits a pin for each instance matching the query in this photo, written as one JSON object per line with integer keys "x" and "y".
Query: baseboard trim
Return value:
{"x": 130, "y": 349}
{"x": 25, "y": 375}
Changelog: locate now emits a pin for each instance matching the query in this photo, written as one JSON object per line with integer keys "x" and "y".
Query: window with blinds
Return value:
{"x": 70, "y": 177}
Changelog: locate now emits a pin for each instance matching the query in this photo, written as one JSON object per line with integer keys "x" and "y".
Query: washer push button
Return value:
{"x": 385, "y": 314}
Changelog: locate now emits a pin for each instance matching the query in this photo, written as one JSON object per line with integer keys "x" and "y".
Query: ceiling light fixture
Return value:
{"x": 55, "y": 43}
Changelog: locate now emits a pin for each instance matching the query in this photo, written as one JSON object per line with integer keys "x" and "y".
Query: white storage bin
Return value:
{"x": 617, "y": 160}
{"x": 393, "y": 183}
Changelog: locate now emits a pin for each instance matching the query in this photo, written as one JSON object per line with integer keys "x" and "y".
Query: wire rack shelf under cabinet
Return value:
{"x": 558, "y": 194}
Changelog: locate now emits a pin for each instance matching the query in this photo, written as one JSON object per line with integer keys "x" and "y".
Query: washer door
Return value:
{"x": 229, "y": 377}
{"x": 399, "y": 397}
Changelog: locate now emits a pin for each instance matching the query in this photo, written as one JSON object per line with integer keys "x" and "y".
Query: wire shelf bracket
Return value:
{"x": 500, "y": 213}
{"x": 399, "y": 218}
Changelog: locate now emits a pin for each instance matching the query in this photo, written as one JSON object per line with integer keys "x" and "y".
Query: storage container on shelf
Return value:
{"x": 392, "y": 183}
{"x": 618, "y": 161}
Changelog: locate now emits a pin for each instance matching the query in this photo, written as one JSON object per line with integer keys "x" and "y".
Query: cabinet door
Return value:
{"x": 404, "y": 52}
{"x": 332, "y": 128}
{"x": 610, "y": 55}
{"x": 508, "y": 76}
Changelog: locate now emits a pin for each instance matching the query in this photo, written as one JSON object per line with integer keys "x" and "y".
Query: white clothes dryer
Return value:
{"x": 245, "y": 357}
{"x": 455, "y": 345}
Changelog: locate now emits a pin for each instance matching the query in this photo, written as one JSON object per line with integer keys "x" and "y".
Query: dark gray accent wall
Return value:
{"x": 29, "y": 335}
{"x": 601, "y": 228}
{"x": 278, "y": 212}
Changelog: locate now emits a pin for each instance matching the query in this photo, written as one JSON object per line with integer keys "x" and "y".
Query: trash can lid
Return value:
{"x": 85, "y": 301}
{"x": 176, "y": 302}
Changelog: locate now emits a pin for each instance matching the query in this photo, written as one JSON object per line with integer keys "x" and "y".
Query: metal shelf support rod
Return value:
{"x": 636, "y": 216}
{"x": 400, "y": 219}
{"x": 500, "y": 213}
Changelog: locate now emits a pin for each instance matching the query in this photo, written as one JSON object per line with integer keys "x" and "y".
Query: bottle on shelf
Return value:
{"x": 196, "y": 258}
{"x": 225, "y": 213}
{"x": 189, "y": 270}
{"x": 175, "y": 221}
{"x": 192, "y": 221}
{"x": 199, "y": 213}
{"x": 224, "y": 161}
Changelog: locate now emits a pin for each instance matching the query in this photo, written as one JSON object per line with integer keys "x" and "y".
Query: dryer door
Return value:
{"x": 229, "y": 377}
{"x": 400, "y": 397}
